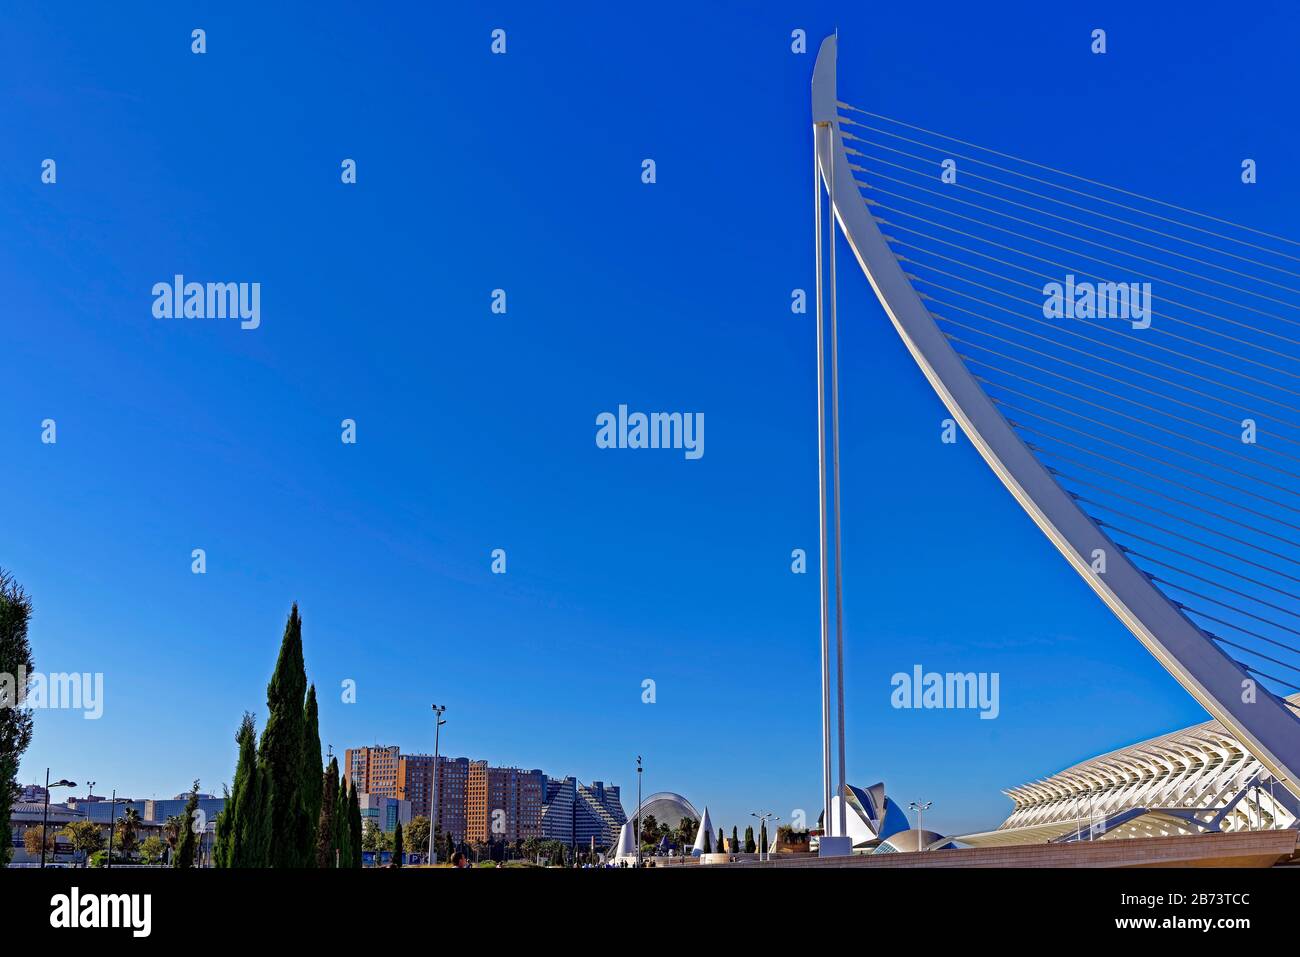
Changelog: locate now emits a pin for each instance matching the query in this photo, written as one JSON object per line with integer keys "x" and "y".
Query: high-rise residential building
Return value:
{"x": 477, "y": 802}
{"x": 415, "y": 781}
{"x": 415, "y": 784}
{"x": 558, "y": 810}
{"x": 503, "y": 804}
{"x": 598, "y": 815}
{"x": 373, "y": 769}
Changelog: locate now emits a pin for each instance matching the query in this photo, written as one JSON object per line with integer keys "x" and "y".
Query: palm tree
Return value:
{"x": 128, "y": 826}
{"x": 686, "y": 833}
{"x": 172, "y": 830}
{"x": 532, "y": 848}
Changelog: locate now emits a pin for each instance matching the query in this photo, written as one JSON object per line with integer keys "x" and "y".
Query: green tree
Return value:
{"x": 417, "y": 835}
{"x": 686, "y": 828}
{"x": 372, "y": 838}
{"x": 327, "y": 827}
{"x": 354, "y": 827}
{"x": 15, "y": 721}
{"x": 762, "y": 837}
{"x": 450, "y": 850}
{"x": 398, "y": 847}
{"x": 280, "y": 754}
{"x": 187, "y": 841}
{"x": 312, "y": 795}
{"x": 649, "y": 829}
{"x": 127, "y": 829}
{"x": 735, "y": 840}
{"x": 343, "y": 826}
{"x": 708, "y": 843}
{"x": 722, "y": 841}
{"x": 32, "y": 841}
{"x": 749, "y": 840}
{"x": 243, "y": 836}
{"x": 152, "y": 849}
{"x": 532, "y": 848}
{"x": 172, "y": 828}
{"x": 84, "y": 837}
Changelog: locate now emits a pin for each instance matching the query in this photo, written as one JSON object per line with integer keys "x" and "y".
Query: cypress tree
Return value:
{"x": 722, "y": 841}
{"x": 312, "y": 780}
{"x": 15, "y": 722}
{"x": 228, "y": 849}
{"x": 327, "y": 828}
{"x": 749, "y": 840}
{"x": 279, "y": 758}
{"x": 342, "y": 827}
{"x": 220, "y": 835}
{"x": 762, "y": 837}
{"x": 354, "y": 827}
{"x": 185, "y": 844}
{"x": 397, "y": 845}
{"x": 735, "y": 839}
{"x": 253, "y": 842}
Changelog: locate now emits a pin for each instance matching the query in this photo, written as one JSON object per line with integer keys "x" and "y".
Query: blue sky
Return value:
{"x": 476, "y": 431}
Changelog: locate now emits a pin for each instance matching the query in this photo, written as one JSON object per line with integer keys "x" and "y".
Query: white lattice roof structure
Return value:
{"x": 1188, "y": 782}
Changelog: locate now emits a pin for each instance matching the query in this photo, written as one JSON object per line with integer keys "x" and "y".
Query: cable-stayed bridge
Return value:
{"x": 1130, "y": 370}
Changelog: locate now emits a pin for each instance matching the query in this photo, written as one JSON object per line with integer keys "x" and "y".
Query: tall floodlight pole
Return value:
{"x": 920, "y": 809}
{"x": 638, "y": 810}
{"x": 433, "y": 801}
{"x": 821, "y": 484}
{"x": 112, "y": 820}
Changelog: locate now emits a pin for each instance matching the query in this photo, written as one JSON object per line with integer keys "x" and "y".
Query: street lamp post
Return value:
{"x": 112, "y": 812}
{"x": 45, "y": 817}
{"x": 920, "y": 809}
{"x": 762, "y": 828}
{"x": 438, "y": 710}
{"x": 638, "y": 810}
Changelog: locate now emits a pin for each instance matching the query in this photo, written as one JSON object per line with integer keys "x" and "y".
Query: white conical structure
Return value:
{"x": 706, "y": 827}
{"x": 626, "y": 846}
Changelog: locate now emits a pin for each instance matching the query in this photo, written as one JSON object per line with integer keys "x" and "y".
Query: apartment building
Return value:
{"x": 415, "y": 784}
{"x": 503, "y": 804}
{"x": 478, "y": 803}
{"x": 373, "y": 770}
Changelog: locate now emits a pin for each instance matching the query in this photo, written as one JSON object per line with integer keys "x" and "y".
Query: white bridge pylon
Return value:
{"x": 1263, "y": 723}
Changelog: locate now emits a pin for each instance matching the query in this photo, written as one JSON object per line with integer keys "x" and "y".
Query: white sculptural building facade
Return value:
{"x": 1189, "y": 782}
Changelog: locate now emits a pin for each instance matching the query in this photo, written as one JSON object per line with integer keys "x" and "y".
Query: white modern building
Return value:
{"x": 870, "y": 816}
{"x": 1189, "y": 782}
{"x": 667, "y": 807}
